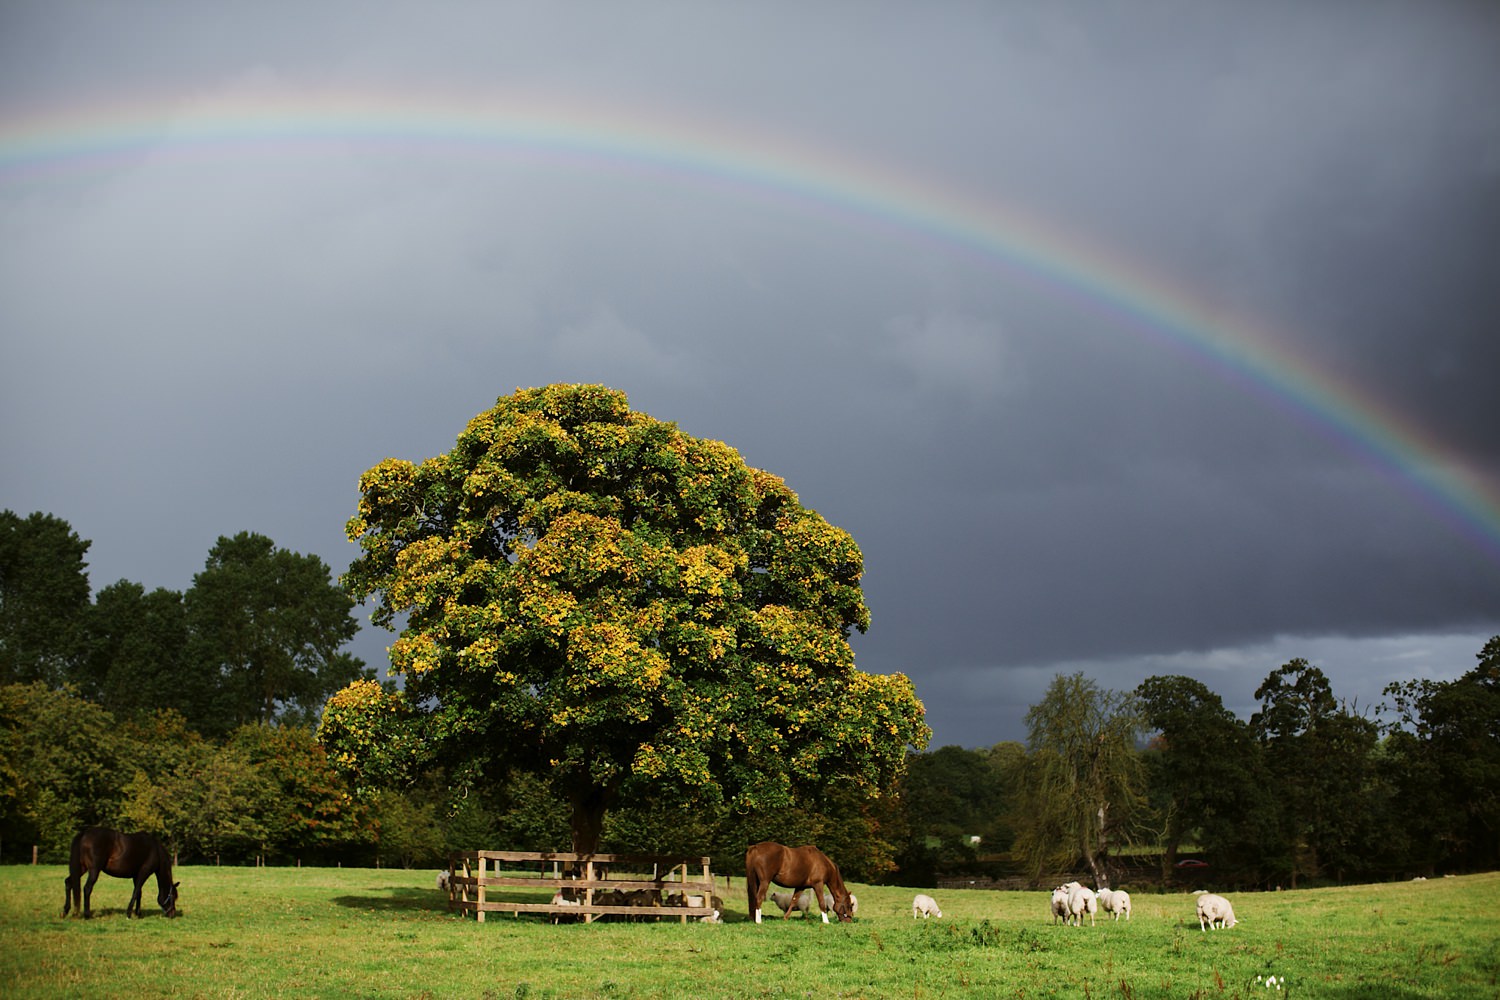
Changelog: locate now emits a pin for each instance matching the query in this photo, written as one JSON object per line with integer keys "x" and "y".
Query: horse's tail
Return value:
{"x": 75, "y": 855}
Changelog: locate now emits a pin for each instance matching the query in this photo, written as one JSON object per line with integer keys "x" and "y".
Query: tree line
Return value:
{"x": 1308, "y": 789}
{"x": 193, "y": 715}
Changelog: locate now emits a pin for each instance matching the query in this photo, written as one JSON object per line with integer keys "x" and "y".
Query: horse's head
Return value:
{"x": 843, "y": 906}
{"x": 167, "y": 899}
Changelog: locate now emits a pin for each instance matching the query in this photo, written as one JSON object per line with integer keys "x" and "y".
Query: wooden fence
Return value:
{"x": 476, "y": 878}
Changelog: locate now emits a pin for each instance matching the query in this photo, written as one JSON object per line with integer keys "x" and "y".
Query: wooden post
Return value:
{"x": 33, "y": 853}
{"x": 482, "y": 864}
{"x": 588, "y": 894}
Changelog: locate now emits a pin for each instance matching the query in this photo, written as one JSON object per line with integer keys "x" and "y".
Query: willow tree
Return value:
{"x": 1081, "y": 777}
{"x": 593, "y": 595}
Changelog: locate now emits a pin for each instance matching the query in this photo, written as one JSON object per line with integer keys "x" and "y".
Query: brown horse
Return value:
{"x": 136, "y": 856}
{"x": 794, "y": 868}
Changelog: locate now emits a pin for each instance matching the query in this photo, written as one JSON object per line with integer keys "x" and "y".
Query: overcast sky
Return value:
{"x": 920, "y": 260}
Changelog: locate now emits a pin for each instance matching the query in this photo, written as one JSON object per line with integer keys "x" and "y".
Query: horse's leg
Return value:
{"x": 818, "y": 898}
{"x": 756, "y": 890}
{"x": 88, "y": 893}
{"x": 70, "y": 893}
{"x": 135, "y": 897}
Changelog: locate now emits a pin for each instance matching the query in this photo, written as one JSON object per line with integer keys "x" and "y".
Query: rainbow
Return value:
{"x": 600, "y": 136}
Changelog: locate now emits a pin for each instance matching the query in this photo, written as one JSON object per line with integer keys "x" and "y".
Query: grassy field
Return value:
{"x": 316, "y": 932}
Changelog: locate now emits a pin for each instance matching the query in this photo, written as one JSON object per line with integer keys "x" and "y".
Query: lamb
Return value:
{"x": 924, "y": 906}
{"x": 1081, "y": 900}
{"x": 802, "y": 902}
{"x": 1059, "y": 905}
{"x": 442, "y": 881}
{"x": 716, "y": 910}
{"x": 1115, "y": 902}
{"x": 1214, "y": 911}
{"x": 789, "y": 901}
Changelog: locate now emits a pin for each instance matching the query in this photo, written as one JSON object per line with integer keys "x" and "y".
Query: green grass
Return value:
{"x": 316, "y": 932}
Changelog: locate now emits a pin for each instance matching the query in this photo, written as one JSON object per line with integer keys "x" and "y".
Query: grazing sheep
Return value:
{"x": 1081, "y": 900}
{"x": 1214, "y": 911}
{"x": 1059, "y": 905}
{"x": 1115, "y": 902}
{"x": 789, "y": 901}
{"x": 924, "y": 906}
{"x": 442, "y": 881}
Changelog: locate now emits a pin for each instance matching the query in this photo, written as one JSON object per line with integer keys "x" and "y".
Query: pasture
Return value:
{"x": 318, "y": 932}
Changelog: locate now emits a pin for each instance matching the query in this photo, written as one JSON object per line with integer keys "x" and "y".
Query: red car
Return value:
{"x": 1192, "y": 863}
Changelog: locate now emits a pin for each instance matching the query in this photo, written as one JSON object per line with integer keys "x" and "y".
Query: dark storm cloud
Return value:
{"x": 201, "y": 345}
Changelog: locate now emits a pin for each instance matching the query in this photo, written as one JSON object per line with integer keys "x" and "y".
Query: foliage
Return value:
{"x": 1445, "y": 761}
{"x": 134, "y": 657}
{"x": 1204, "y": 770}
{"x": 269, "y": 624}
{"x": 311, "y": 813}
{"x": 44, "y": 589}
{"x": 407, "y": 831}
{"x": 1081, "y": 779}
{"x": 1318, "y": 756}
{"x": 68, "y": 766}
{"x": 593, "y": 594}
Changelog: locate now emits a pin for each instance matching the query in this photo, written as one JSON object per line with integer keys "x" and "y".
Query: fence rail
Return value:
{"x": 475, "y": 876}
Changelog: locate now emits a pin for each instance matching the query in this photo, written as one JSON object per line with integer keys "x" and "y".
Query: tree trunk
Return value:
{"x": 589, "y": 806}
{"x": 1099, "y": 860}
{"x": 1173, "y": 838}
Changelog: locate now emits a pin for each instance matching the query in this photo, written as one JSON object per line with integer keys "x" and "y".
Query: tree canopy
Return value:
{"x": 1081, "y": 778}
{"x": 44, "y": 592}
{"x": 592, "y": 594}
{"x": 268, "y": 624}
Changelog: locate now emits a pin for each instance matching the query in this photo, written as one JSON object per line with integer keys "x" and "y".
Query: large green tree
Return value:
{"x": 63, "y": 765}
{"x": 269, "y": 625}
{"x": 1447, "y": 761}
{"x": 44, "y": 590}
{"x": 1320, "y": 757}
{"x": 1081, "y": 779}
{"x": 594, "y": 595}
{"x": 1203, "y": 770}
{"x": 134, "y": 656}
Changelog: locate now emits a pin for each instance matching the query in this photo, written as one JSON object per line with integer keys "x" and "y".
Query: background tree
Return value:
{"x": 1447, "y": 764}
{"x": 71, "y": 763}
{"x": 269, "y": 624}
{"x": 44, "y": 589}
{"x": 1201, "y": 768}
{"x": 595, "y": 595}
{"x": 949, "y": 796}
{"x": 134, "y": 655}
{"x": 1081, "y": 778}
{"x": 310, "y": 813}
{"x": 1319, "y": 756}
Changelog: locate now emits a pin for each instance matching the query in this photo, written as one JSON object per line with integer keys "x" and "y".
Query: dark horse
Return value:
{"x": 136, "y": 856}
{"x": 795, "y": 868}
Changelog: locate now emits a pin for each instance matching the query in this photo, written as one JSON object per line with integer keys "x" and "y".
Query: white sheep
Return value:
{"x": 1059, "y": 905}
{"x": 924, "y": 906}
{"x": 1115, "y": 902}
{"x": 1214, "y": 911}
{"x": 442, "y": 880}
{"x": 1081, "y": 900}
{"x": 788, "y": 901}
